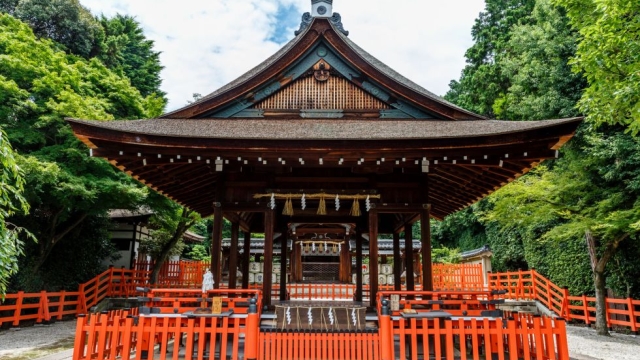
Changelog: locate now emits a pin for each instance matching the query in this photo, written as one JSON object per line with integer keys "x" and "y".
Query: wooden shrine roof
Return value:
{"x": 320, "y": 129}
{"x": 322, "y": 115}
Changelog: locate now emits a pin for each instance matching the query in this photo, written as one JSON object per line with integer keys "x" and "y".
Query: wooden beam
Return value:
{"x": 245, "y": 259}
{"x": 283, "y": 266}
{"x": 408, "y": 254}
{"x": 425, "y": 234}
{"x": 233, "y": 255}
{"x": 216, "y": 246}
{"x": 269, "y": 221}
{"x": 373, "y": 256}
{"x": 359, "y": 239}
{"x": 397, "y": 263}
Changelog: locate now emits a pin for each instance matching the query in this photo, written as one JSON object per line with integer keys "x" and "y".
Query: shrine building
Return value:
{"x": 323, "y": 148}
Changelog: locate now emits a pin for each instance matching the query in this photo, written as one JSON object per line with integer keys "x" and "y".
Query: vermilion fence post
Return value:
{"x": 632, "y": 316}
{"x": 565, "y": 304}
{"x": 585, "y": 307}
{"x": 561, "y": 339}
{"x": 386, "y": 340}
{"x": 80, "y": 342}
{"x": 18, "y": 311}
{"x": 44, "y": 307}
{"x": 251, "y": 342}
{"x": 61, "y": 300}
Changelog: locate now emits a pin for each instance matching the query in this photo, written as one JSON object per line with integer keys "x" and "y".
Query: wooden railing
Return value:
{"x": 473, "y": 338}
{"x": 169, "y": 301}
{"x": 530, "y": 285}
{"x": 456, "y": 303}
{"x": 170, "y": 336}
{"x": 321, "y": 291}
{"x": 458, "y": 277}
{"x": 325, "y": 345}
{"x": 103, "y": 336}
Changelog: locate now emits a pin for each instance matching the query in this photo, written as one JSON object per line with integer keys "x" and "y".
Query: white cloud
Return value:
{"x": 206, "y": 44}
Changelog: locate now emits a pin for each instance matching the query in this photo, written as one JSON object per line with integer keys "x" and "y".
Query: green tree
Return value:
{"x": 542, "y": 85}
{"x": 482, "y": 80}
{"x": 64, "y": 21}
{"x": 40, "y": 87}
{"x": 593, "y": 193}
{"x": 609, "y": 57}
{"x": 128, "y": 52}
{"x": 11, "y": 202}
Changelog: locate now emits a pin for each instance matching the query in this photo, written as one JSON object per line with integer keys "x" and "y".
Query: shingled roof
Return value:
{"x": 322, "y": 129}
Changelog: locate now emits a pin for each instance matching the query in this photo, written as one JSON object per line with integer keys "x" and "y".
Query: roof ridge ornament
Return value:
{"x": 336, "y": 21}
{"x": 321, "y": 9}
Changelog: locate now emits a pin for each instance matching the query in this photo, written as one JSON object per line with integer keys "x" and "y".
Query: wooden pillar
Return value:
{"x": 283, "y": 266}
{"x": 233, "y": 255}
{"x": 246, "y": 256}
{"x": 408, "y": 250}
{"x": 216, "y": 246}
{"x": 425, "y": 234}
{"x": 358, "y": 266}
{"x": 294, "y": 258}
{"x": 345, "y": 262}
{"x": 373, "y": 256}
{"x": 397, "y": 263}
{"x": 269, "y": 218}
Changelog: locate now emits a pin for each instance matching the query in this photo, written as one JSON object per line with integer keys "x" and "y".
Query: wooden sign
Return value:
{"x": 216, "y": 305}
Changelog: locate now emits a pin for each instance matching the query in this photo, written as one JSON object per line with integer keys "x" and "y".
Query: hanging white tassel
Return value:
{"x": 340, "y": 248}
{"x": 289, "y": 315}
{"x": 313, "y": 247}
{"x": 337, "y": 202}
{"x": 367, "y": 203}
{"x": 331, "y": 316}
{"x": 354, "y": 317}
{"x": 303, "y": 200}
{"x": 325, "y": 247}
{"x": 310, "y": 316}
{"x": 273, "y": 201}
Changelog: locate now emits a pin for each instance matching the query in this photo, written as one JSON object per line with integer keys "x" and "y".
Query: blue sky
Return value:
{"x": 206, "y": 44}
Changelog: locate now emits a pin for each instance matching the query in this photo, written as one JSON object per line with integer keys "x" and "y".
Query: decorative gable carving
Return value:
{"x": 334, "y": 93}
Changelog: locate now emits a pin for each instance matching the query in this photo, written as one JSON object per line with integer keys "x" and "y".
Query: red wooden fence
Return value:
{"x": 530, "y": 285}
{"x": 172, "y": 336}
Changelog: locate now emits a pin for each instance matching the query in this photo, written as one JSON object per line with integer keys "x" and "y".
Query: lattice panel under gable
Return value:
{"x": 309, "y": 93}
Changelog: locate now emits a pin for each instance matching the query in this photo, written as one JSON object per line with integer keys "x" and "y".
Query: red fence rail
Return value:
{"x": 473, "y": 338}
{"x": 530, "y": 285}
{"x": 162, "y": 336}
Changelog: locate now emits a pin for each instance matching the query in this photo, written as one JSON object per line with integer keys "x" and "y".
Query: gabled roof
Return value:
{"x": 322, "y": 41}
{"x": 323, "y": 115}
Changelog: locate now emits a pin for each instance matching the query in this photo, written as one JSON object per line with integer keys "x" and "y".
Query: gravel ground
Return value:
{"x": 39, "y": 341}
{"x": 36, "y": 341}
{"x": 584, "y": 344}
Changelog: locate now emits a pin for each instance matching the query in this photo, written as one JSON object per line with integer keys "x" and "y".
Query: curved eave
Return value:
{"x": 462, "y": 169}
{"x": 214, "y": 133}
{"x": 274, "y": 67}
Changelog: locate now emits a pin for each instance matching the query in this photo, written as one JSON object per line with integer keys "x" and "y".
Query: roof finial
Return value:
{"x": 321, "y": 8}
